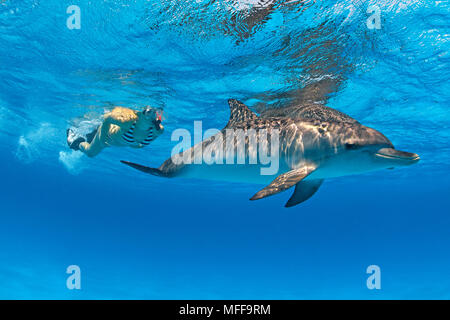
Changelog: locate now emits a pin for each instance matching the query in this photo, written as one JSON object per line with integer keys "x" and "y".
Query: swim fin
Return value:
{"x": 73, "y": 141}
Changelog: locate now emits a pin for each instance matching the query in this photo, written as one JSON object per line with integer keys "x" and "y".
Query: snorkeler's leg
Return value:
{"x": 96, "y": 146}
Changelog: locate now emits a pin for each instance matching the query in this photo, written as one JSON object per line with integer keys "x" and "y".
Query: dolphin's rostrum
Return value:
{"x": 315, "y": 142}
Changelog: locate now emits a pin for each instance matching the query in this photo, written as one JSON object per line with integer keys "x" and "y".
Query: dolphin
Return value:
{"x": 315, "y": 142}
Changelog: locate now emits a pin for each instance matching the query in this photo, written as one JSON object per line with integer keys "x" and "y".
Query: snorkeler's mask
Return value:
{"x": 149, "y": 111}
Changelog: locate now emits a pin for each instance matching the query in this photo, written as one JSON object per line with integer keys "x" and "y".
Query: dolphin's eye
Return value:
{"x": 351, "y": 146}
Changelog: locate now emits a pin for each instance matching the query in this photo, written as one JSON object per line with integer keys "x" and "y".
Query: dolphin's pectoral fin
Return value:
{"x": 152, "y": 171}
{"x": 284, "y": 182}
{"x": 303, "y": 191}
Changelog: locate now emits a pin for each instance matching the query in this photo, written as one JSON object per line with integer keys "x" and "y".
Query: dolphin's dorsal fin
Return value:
{"x": 239, "y": 112}
{"x": 284, "y": 181}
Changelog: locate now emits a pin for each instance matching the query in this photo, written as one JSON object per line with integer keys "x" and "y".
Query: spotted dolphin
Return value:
{"x": 315, "y": 142}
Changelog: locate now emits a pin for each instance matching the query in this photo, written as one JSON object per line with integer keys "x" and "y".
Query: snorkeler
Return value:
{"x": 122, "y": 127}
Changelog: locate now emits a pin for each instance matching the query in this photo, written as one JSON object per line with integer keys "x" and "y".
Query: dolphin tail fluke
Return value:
{"x": 284, "y": 182}
{"x": 152, "y": 171}
{"x": 303, "y": 191}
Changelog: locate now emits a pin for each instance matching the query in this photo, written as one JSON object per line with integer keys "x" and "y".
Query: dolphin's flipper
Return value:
{"x": 284, "y": 182}
{"x": 303, "y": 191}
{"x": 239, "y": 112}
{"x": 152, "y": 171}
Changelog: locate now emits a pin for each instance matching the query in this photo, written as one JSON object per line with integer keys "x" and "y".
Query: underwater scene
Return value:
{"x": 234, "y": 149}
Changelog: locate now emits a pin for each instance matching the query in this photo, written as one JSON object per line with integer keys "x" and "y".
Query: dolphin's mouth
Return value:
{"x": 392, "y": 154}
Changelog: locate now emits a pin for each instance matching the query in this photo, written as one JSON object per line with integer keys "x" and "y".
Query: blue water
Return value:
{"x": 139, "y": 236}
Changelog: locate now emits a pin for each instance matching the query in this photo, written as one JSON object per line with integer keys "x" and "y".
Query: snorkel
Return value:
{"x": 155, "y": 116}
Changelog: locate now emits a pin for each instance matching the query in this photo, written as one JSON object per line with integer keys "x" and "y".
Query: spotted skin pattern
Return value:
{"x": 309, "y": 132}
{"x": 313, "y": 142}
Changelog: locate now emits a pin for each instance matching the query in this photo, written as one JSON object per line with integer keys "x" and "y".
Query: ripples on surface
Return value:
{"x": 190, "y": 56}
